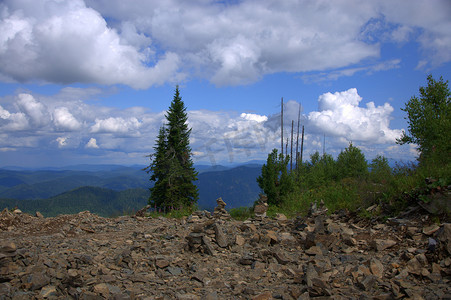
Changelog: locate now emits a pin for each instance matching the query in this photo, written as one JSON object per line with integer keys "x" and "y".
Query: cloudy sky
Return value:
{"x": 89, "y": 81}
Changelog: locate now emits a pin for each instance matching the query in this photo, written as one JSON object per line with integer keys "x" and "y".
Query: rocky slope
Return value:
{"x": 84, "y": 256}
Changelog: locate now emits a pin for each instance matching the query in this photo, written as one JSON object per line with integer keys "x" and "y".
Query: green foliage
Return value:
{"x": 320, "y": 171}
{"x": 275, "y": 181}
{"x": 241, "y": 213}
{"x": 429, "y": 122}
{"x": 351, "y": 163}
{"x": 380, "y": 171}
{"x": 171, "y": 166}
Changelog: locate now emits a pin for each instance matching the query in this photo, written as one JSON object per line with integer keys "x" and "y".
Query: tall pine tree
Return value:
{"x": 172, "y": 166}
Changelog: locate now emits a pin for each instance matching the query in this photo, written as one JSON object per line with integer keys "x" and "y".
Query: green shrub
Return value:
{"x": 241, "y": 213}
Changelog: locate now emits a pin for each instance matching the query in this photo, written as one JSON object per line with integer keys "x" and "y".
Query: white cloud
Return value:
{"x": 151, "y": 43}
{"x": 12, "y": 121}
{"x": 62, "y": 141}
{"x": 217, "y": 136}
{"x": 36, "y": 111}
{"x": 116, "y": 125}
{"x": 92, "y": 144}
{"x": 67, "y": 42}
{"x": 254, "y": 117}
{"x": 368, "y": 69}
{"x": 339, "y": 115}
{"x": 64, "y": 120}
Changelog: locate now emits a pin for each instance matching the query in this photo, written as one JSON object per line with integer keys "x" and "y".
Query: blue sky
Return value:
{"x": 89, "y": 81}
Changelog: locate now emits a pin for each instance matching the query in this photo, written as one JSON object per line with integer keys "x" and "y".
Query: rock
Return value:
{"x": 272, "y": 237}
{"x": 281, "y": 257}
{"x": 319, "y": 224}
{"x": 38, "y": 280}
{"x": 161, "y": 262}
{"x": 174, "y": 271}
{"x": 430, "y": 230}
{"x": 380, "y": 244}
{"x": 208, "y": 247}
{"x": 247, "y": 259}
{"x": 102, "y": 289}
{"x": 314, "y": 250}
{"x": 39, "y": 215}
{"x": 220, "y": 212}
{"x": 444, "y": 236}
{"x": 416, "y": 265}
{"x": 239, "y": 240}
{"x": 261, "y": 207}
{"x": 367, "y": 283}
{"x": 48, "y": 291}
{"x": 161, "y": 258}
{"x": 220, "y": 237}
{"x": 5, "y": 288}
{"x": 142, "y": 212}
{"x": 281, "y": 217}
{"x": 263, "y": 296}
{"x": 377, "y": 268}
{"x": 7, "y": 247}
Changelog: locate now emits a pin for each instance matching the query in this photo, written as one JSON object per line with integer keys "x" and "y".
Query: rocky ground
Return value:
{"x": 322, "y": 256}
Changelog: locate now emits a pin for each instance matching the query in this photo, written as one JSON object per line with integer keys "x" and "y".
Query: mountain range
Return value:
{"x": 112, "y": 190}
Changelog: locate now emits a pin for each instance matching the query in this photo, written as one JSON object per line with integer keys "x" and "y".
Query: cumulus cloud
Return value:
{"x": 92, "y": 144}
{"x": 217, "y": 136}
{"x": 154, "y": 42}
{"x": 35, "y": 111}
{"x": 66, "y": 41}
{"x": 64, "y": 120}
{"x": 12, "y": 121}
{"x": 116, "y": 125}
{"x": 254, "y": 117}
{"x": 339, "y": 115}
{"x": 62, "y": 141}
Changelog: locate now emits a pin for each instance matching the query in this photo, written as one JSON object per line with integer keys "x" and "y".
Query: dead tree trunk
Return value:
{"x": 281, "y": 127}
{"x": 291, "y": 148}
{"x": 297, "y": 139}
{"x": 302, "y": 142}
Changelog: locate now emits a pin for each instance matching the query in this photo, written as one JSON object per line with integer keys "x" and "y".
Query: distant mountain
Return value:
{"x": 69, "y": 191}
{"x": 48, "y": 183}
{"x": 104, "y": 202}
{"x": 237, "y": 187}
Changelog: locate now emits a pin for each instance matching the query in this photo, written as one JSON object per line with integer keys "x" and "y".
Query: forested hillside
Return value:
{"x": 115, "y": 190}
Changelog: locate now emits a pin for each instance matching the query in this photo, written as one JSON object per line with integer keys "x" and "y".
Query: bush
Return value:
{"x": 241, "y": 213}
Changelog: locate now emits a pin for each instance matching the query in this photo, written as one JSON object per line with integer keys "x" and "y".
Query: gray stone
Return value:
{"x": 221, "y": 238}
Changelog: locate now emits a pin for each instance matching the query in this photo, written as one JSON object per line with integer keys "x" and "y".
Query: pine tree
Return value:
{"x": 275, "y": 181}
{"x": 159, "y": 171}
{"x": 172, "y": 166}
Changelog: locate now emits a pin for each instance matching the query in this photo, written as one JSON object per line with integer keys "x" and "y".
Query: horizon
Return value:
{"x": 89, "y": 82}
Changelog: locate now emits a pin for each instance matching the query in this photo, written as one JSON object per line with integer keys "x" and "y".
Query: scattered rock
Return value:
{"x": 341, "y": 256}
{"x": 380, "y": 244}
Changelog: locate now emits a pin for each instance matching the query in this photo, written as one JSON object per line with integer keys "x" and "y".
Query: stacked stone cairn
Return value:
{"x": 208, "y": 230}
{"x": 220, "y": 212}
{"x": 261, "y": 208}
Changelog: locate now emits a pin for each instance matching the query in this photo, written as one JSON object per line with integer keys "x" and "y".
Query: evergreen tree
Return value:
{"x": 275, "y": 181}
{"x": 351, "y": 163}
{"x": 320, "y": 171}
{"x": 159, "y": 171}
{"x": 172, "y": 166}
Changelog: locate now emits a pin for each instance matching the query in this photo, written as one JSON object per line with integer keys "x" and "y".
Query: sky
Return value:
{"x": 88, "y": 82}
